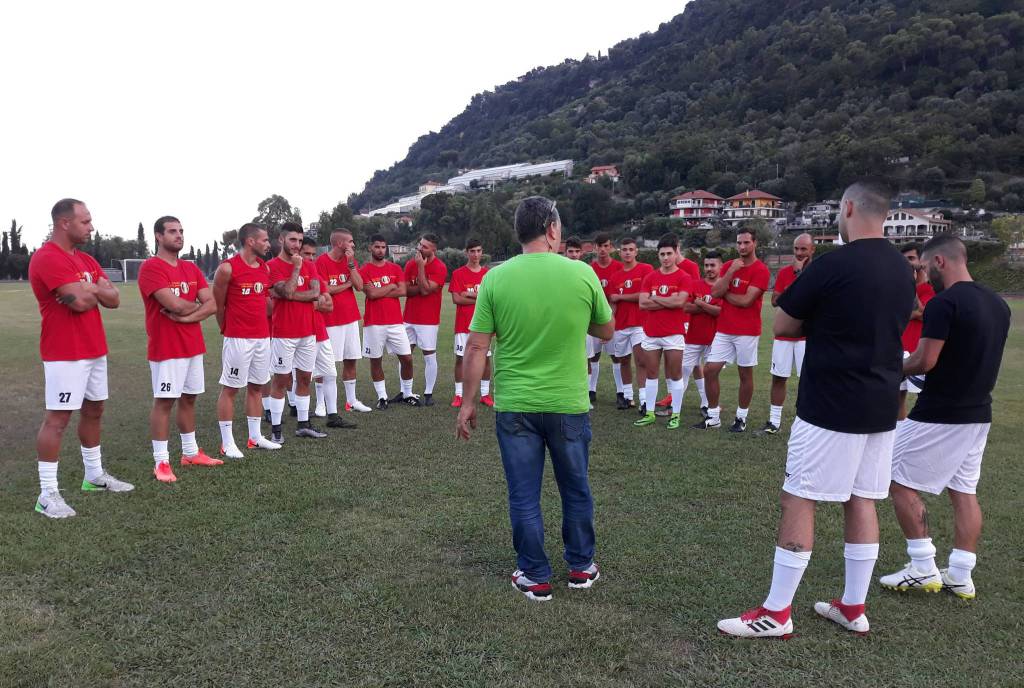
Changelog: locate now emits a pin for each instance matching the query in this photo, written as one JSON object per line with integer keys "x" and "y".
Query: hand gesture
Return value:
{"x": 734, "y": 267}
{"x": 297, "y": 260}
{"x": 349, "y": 254}
{"x": 418, "y": 257}
{"x": 465, "y": 424}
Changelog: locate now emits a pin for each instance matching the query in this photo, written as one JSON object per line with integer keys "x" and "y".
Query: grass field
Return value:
{"x": 381, "y": 556}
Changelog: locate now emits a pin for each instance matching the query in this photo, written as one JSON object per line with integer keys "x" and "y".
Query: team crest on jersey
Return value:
{"x": 184, "y": 287}
{"x": 663, "y": 289}
{"x": 707, "y": 298}
{"x": 736, "y": 282}
{"x": 604, "y": 283}
{"x": 301, "y": 281}
{"x": 258, "y": 287}
{"x": 87, "y": 276}
{"x": 628, "y": 284}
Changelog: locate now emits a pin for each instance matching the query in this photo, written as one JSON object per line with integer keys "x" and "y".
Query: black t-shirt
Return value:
{"x": 855, "y": 303}
{"x": 973, "y": 322}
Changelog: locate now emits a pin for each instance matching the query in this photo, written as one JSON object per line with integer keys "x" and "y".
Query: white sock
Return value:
{"x": 961, "y": 563}
{"x": 675, "y": 388}
{"x": 350, "y": 391}
{"x": 703, "y": 394}
{"x": 160, "y": 453}
{"x": 227, "y": 440}
{"x": 922, "y": 554}
{"x": 47, "y": 475}
{"x": 429, "y": 372}
{"x": 276, "y": 410}
{"x": 860, "y": 562}
{"x": 458, "y": 389}
{"x": 775, "y": 415}
{"x": 266, "y": 403}
{"x": 485, "y": 387}
{"x": 329, "y": 396}
{"x": 406, "y": 387}
{"x": 321, "y": 398}
{"x": 91, "y": 457}
{"x": 617, "y": 374}
{"x": 715, "y": 413}
{"x": 188, "y": 444}
{"x": 627, "y": 391}
{"x": 381, "y": 388}
{"x": 595, "y": 373}
{"x": 641, "y": 392}
{"x": 652, "y": 392}
{"x": 741, "y": 413}
{"x": 786, "y": 574}
{"x": 302, "y": 407}
{"x": 254, "y": 427}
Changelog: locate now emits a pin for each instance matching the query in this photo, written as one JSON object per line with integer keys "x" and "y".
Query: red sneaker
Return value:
{"x": 667, "y": 401}
{"x": 200, "y": 459}
{"x": 487, "y": 400}
{"x": 162, "y": 472}
{"x": 457, "y": 401}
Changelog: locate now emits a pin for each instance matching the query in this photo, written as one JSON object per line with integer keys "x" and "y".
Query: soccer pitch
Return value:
{"x": 381, "y": 556}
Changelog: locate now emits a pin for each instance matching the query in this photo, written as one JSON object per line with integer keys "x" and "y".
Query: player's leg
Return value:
{"x": 426, "y": 335}
{"x": 160, "y": 432}
{"x": 457, "y": 401}
{"x": 239, "y": 360}
{"x": 595, "y": 368}
{"x": 304, "y": 361}
{"x": 967, "y": 523}
{"x": 722, "y": 352}
{"x": 674, "y": 380}
{"x": 485, "y": 383}
{"x": 746, "y": 359}
{"x": 90, "y": 420}
{"x": 191, "y": 371}
{"x": 398, "y": 342}
{"x": 609, "y": 348}
{"x": 652, "y": 364}
{"x": 781, "y": 369}
{"x": 282, "y": 364}
{"x": 254, "y": 391}
{"x": 48, "y": 441}
{"x": 641, "y": 374}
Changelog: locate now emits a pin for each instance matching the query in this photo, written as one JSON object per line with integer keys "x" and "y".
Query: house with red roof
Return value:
{"x": 598, "y": 171}
{"x": 753, "y": 204}
{"x": 696, "y": 206}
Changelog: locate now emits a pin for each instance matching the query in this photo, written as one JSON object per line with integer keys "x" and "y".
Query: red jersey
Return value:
{"x": 167, "y": 338}
{"x": 65, "y": 334}
{"x": 386, "y": 311}
{"x": 464, "y": 279}
{"x": 690, "y": 268}
{"x": 425, "y": 310}
{"x": 623, "y": 282}
{"x": 783, "y": 279}
{"x": 319, "y": 326}
{"x": 292, "y": 319}
{"x": 604, "y": 275}
{"x": 332, "y": 273}
{"x": 744, "y": 321}
{"x": 912, "y": 335}
{"x": 702, "y": 325}
{"x": 667, "y": 321}
{"x": 245, "y": 307}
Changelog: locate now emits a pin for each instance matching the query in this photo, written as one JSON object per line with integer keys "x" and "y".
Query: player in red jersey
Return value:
{"x": 70, "y": 286}
{"x": 464, "y": 287}
{"x": 425, "y": 275}
{"x": 295, "y": 286}
{"x": 912, "y": 335}
{"x": 703, "y": 309}
{"x": 787, "y": 352}
{"x": 240, "y": 288}
{"x": 176, "y": 298}
{"x": 605, "y": 266}
{"x": 384, "y": 284}
{"x": 740, "y": 287}
{"x": 693, "y": 272}
{"x": 573, "y": 248}
{"x": 340, "y": 272}
{"x": 664, "y": 295}
{"x": 626, "y": 286}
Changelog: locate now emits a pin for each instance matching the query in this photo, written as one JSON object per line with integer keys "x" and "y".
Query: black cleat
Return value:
{"x": 308, "y": 430}
{"x": 412, "y": 400}
{"x": 621, "y": 403}
{"x": 593, "y": 397}
{"x": 382, "y": 404}
{"x": 707, "y": 424}
{"x": 704, "y": 412}
{"x": 738, "y": 425}
{"x": 397, "y": 399}
{"x": 768, "y": 429}
{"x": 277, "y": 436}
{"x": 336, "y": 421}
{"x": 428, "y": 399}
{"x": 642, "y": 409}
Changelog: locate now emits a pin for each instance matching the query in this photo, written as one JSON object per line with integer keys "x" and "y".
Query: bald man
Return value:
{"x": 787, "y": 352}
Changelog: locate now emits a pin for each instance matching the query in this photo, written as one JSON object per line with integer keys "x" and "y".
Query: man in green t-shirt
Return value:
{"x": 540, "y": 306}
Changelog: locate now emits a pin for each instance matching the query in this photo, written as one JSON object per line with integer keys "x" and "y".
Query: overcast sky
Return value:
{"x": 201, "y": 110}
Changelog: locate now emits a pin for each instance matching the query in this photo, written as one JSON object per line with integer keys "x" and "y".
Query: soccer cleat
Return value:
{"x": 428, "y": 399}
{"x": 162, "y": 472}
{"x": 620, "y": 402}
{"x": 487, "y": 400}
{"x": 106, "y": 483}
{"x": 707, "y": 424}
{"x": 310, "y": 431}
{"x": 673, "y": 422}
{"x": 663, "y": 412}
{"x": 457, "y": 402}
{"x": 664, "y": 401}
{"x": 645, "y": 421}
{"x": 52, "y": 505}
{"x": 200, "y": 459}
{"x": 537, "y": 592}
{"x": 704, "y": 412}
{"x": 580, "y": 579}
{"x": 965, "y": 591}
{"x": 758, "y": 623}
{"x": 593, "y": 396}
{"x": 398, "y": 398}
{"x": 382, "y": 404}
{"x": 358, "y": 406}
{"x": 412, "y": 400}
{"x": 277, "y": 437}
{"x": 834, "y": 611}
{"x": 642, "y": 409}
{"x": 336, "y": 421}
{"x": 738, "y": 425}
{"x": 261, "y": 443}
{"x": 909, "y": 578}
{"x": 231, "y": 452}
{"x": 768, "y": 429}
{"x": 320, "y": 412}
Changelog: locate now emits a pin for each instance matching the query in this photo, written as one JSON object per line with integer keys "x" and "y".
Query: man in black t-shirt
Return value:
{"x": 941, "y": 444}
{"x": 852, "y": 305}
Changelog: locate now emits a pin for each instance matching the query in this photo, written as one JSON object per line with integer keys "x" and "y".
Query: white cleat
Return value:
{"x": 909, "y": 578}
{"x": 106, "y": 482}
{"x": 963, "y": 590}
{"x": 263, "y": 443}
{"x": 360, "y": 406}
{"x": 232, "y": 452}
{"x": 320, "y": 412}
{"x": 830, "y": 611}
{"x": 756, "y": 623}
{"x": 52, "y": 505}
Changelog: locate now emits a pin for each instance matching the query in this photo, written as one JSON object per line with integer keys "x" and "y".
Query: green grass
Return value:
{"x": 381, "y": 556}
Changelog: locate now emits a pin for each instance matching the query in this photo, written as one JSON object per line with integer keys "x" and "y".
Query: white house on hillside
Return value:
{"x": 904, "y": 226}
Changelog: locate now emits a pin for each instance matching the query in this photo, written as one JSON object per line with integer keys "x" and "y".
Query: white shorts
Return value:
{"x": 906, "y": 385}
{"x": 595, "y": 346}
{"x": 325, "y": 363}
{"x": 375, "y": 337}
{"x": 623, "y": 341}
{"x": 934, "y": 456}
{"x": 68, "y": 383}
{"x": 423, "y": 336}
{"x": 245, "y": 361}
{"x": 694, "y": 355}
{"x": 675, "y": 342}
{"x": 177, "y": 376}
{"x": 829, "y": 466}
{"x": 298, "y": 353}
{"x": 785, "y": 354}
{"x": 734, "y": 348}
{"x": 345, "y": 341}
{"x": 461, "y": 338}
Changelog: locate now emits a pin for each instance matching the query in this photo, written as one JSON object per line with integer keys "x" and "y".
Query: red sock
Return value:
{"x": 850, "y": 611}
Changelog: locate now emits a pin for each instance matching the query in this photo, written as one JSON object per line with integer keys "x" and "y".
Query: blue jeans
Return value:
{"x": 522, "y": 438}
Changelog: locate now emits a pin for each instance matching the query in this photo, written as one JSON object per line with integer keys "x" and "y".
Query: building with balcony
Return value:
{"x": 820, "y": 214}
{"x": 753, "y": 205}
{"x": 904, "y": 226}
{"x": 697, "y": 206}
{"x": 598, "y": 171}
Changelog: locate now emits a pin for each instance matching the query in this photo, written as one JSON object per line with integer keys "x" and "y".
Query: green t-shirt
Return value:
{"x": 539, "y": 306}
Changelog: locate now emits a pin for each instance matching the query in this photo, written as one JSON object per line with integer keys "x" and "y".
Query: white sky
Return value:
{"x": 202, "y": 110}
